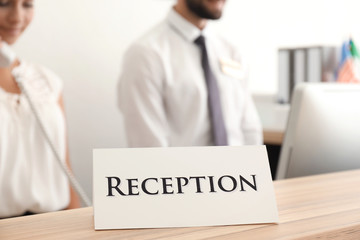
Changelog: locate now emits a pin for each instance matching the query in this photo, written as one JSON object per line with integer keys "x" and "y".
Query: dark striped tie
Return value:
{"x": 216, "y": 116}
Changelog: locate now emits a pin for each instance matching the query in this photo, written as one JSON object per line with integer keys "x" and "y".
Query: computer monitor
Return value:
{"x": 323, "y": 130}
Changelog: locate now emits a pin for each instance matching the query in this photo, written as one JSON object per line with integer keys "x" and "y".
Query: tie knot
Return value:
{"x": 200, "y": 41}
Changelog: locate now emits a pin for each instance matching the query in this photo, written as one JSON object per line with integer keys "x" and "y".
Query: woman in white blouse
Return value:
{"x": 31, "y": 180}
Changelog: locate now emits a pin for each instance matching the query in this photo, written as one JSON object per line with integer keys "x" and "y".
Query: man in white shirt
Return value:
{"x": 182, "y": 85}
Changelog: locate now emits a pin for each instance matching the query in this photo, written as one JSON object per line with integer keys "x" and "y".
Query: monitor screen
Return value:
{"x": 323, "y": 130}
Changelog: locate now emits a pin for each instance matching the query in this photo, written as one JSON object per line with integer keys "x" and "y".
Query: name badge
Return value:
{"x": 232, "y": 68}
{"x": 182, "y": 187}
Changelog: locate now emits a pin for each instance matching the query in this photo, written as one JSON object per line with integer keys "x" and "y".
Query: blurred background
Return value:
{"x": 83, "y": 41}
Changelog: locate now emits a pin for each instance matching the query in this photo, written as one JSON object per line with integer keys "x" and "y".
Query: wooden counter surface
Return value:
{"x": 273, "y": 137}
{"x": 317, "y": 207}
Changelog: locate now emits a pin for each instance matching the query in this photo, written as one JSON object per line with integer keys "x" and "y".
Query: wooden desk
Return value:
{"x": 273, "y": 137}
{"x": 273, "y": 117}
{"x": 317, "y": 207}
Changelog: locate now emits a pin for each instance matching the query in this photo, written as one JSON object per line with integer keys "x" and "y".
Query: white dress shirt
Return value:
{"x": 30, "y": 176}
{"x": 162, "y": 90}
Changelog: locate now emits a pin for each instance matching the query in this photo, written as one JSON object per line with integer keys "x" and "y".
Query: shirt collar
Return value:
{"x": 189, "y": 31}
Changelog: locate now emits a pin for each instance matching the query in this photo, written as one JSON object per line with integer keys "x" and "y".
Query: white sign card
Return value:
{"x": 182, "y": 187}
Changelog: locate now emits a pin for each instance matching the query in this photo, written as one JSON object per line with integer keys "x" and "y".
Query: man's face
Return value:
{"x": 208, "y": 9}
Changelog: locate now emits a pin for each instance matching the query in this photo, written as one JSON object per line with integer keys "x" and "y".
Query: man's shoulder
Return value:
{"x": 153, "y": 40}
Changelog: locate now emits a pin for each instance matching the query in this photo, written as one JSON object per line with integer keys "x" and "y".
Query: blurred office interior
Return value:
{"x": 84, "y": 40}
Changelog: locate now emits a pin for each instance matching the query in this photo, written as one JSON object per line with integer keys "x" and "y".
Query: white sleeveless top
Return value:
{"x": 30, "y": 178}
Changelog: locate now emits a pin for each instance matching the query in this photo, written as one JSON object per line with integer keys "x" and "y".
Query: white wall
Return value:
{"x": 83, "y": 42}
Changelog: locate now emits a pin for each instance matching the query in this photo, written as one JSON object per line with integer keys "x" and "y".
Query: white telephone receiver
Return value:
{"x": 7, "y": 57}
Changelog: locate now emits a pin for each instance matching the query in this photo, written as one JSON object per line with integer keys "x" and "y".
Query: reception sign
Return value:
{"x": 182, "y": 187}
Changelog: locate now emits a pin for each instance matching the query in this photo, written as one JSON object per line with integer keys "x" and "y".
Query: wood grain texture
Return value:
{"x": 317, "y": 207}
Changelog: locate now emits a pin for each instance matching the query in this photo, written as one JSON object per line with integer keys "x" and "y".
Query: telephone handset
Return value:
{"x": 7, "y": 57}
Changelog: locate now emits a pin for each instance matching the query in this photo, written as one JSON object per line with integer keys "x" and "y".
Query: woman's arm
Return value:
{"x": 74, "y": 198}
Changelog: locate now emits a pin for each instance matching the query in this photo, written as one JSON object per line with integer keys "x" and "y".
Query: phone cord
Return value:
{"x": 74, "y": 183}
